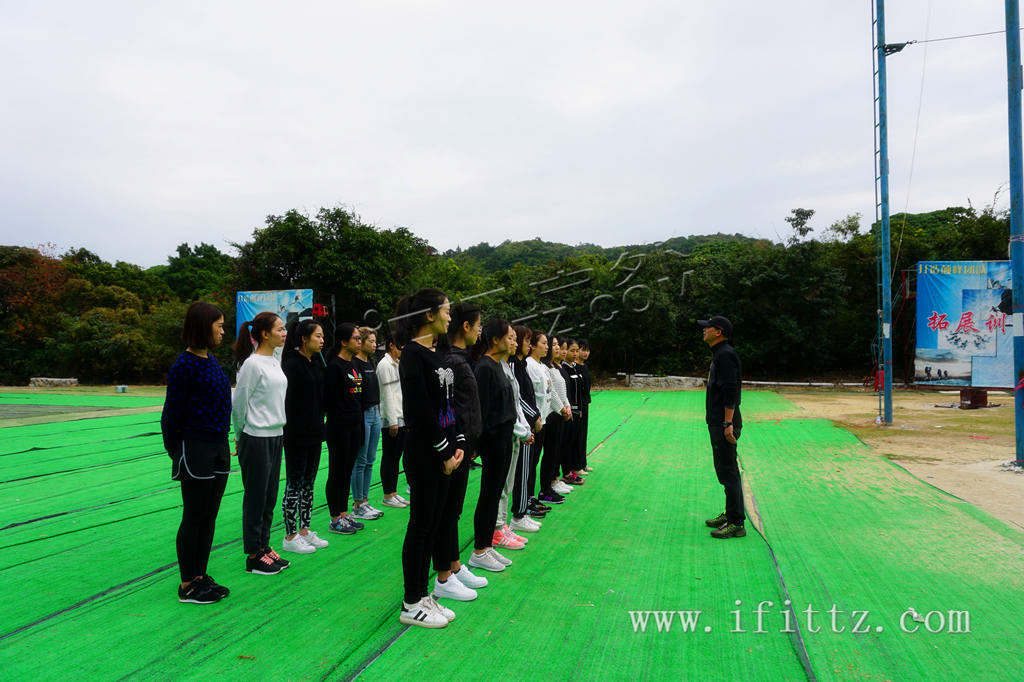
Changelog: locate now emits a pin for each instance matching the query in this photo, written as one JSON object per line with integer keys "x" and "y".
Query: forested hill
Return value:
{"x": 534, "y": 252}
{"x": 802, "y": 307}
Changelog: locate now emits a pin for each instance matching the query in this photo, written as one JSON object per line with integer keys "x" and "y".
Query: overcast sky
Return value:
{"x": 130, "y": 127}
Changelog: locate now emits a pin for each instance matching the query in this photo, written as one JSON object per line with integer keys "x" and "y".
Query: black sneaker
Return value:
{"x": 535, "y": 513}
{"x": 219, "y": 589}
{"x": 198, "y": 592}
{"x": 283, "y": 563}
{"x": 262, "y": 564}
{"x": 729, "y": 530}
{"x": 552, "y": 497}
{"x": 718, "y": 521}
{"x": 535, "y": 503}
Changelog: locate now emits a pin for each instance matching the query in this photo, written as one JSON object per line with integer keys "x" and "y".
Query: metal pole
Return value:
{"x": 884, "y": 255}
{"x": 1013, "y": 88}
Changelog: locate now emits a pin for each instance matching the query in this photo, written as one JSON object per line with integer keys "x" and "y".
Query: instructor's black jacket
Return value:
{"x": 724, "y": 385}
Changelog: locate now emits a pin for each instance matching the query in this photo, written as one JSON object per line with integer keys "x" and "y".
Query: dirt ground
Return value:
{"x": 959, "y": 451}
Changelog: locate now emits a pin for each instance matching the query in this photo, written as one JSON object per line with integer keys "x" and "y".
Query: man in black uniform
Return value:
{"x": 724, "y": 424}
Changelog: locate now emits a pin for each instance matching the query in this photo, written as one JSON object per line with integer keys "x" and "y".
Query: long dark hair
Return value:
{"x": 522, "y": 334}
{"x": 493, "y": 329}
{"x": 552, "y": 341}
{"x": 251, "y": 335}
{"x": 411, "y": 313}
{"x": 461, "y": 313}
{"x": 342, "y": 335}
{"x": 298, "y": 332}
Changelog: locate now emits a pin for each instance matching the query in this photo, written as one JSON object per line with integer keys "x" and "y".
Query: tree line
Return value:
{"x": 804, "y": 306}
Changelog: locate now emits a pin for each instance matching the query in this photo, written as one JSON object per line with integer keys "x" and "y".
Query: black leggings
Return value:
{"x": 200, "y": 501}
{"x": 391, "y": 456}
{"x": 553, "y": 430}
{"x": 568, "y": 450}
{"x": 582, "y": 439}
{"x": 343, "y": 443}
{"x": 429, "y": 485}
{"x": 301, "y": 462}
{"x": 526, "y": 474}
{"x": 446, "y": 544}
{"x": 495, "y": 448}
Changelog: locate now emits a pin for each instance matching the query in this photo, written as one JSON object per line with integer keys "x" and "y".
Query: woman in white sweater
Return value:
{"x": 541, "y": 380}
{"x": 257, "y": 412}
{"x": 392, "y": 425}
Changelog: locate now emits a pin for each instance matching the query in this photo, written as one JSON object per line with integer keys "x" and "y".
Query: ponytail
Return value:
{"x": 251, "y": 334}
{"x": 298, "y": 332}
{"x": 411, "y": 312}
{"x": 461, "y": 314}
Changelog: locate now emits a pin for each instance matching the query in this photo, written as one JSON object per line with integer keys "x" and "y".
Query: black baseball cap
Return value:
{"x": 719, "y": 322}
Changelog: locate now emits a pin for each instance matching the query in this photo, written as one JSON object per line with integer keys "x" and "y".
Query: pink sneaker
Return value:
{"x": 518, "y": 538}
{"x": 502, "y": 540}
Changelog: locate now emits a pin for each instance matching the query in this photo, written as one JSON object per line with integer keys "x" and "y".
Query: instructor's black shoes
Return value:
{"x": 729, "y": 530}
{"x": 718, "y": 521}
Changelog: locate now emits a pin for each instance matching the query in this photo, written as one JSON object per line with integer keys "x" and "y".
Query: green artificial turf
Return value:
{"x": 87, "y": 554}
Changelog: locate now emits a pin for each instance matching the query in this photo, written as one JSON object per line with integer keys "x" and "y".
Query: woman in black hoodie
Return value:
{"x": 462, "y": 334}
{"x": 303, "y": 433}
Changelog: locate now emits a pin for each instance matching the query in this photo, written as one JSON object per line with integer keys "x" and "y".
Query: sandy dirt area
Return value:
{"x": 959, "y": 451}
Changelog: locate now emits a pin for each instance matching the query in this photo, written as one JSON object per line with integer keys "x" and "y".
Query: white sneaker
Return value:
{"x": 525, "y": 524}
{"x": 297, "y": 545}
{"x": 373, "y": 510}
{"x": 393, "y": 502}
{"x": 485, "y": 561}
{"x": 500, "y": 558}
{"x": 422, "y": 613}
{"x": 453, "y": 589}
{"x": 405, "y": 502}
{"x": 312, "y": 538}
{"x": 561, "y": 487}
{"x": 448, "y": 614}
{"x": 365, "y": 512}
{"x": 469, "y": 580}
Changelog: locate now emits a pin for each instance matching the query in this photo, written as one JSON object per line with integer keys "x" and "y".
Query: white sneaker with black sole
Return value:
{"x": 440, "y": 608}
{"x": 471, "y": 581}
{"x": 453, "y": 589}
{"x": 423, "y": 614}
{"x": 485, "y": 561}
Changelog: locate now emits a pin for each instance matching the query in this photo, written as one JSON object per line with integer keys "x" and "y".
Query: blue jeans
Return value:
{"x": 362, "y": 472}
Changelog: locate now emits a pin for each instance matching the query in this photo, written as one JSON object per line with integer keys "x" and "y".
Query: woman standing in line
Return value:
{"x": 504, "y": 536}
{"x": 257, "y": 411}
{"x": 528, "y": 452}
{"x": 434, "y": 448}
{"x": 541, "y": 381}
{"x": 581, "y": 362}
{"x": 552, "y": 489}
{"x": 303, "y": 365}
{"x": 497, "y": 419}
{"x": 453, "y": 579}
{"x": 195, "y": 424}
{"x": 343, "y": 386}
{"x": 362, "y": 472}
{"x": 392, "y": 425}
{"x": 571, "y": 446}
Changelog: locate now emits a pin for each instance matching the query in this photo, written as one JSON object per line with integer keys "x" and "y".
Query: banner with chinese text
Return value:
{"x": 964, "y": 330}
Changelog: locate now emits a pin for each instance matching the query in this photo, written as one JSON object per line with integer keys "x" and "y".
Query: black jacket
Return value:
{"x": 304, "y": 399}
{"x": 573, "y": 382}
{"x": 585, "y": 373}
{"x": 497, "y": 402}
{"x": 527, "y": 398}
{"x": 724, "y": 385}
{"x": 467, "y": 399}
